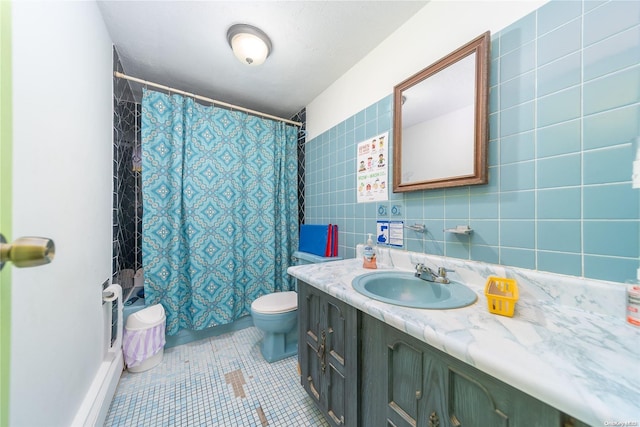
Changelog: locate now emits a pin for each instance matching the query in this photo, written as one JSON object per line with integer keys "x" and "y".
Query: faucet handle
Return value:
{"x": 442, "y": 272}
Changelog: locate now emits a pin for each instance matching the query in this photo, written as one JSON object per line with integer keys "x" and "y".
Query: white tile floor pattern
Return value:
{"x": 221, "y": 381}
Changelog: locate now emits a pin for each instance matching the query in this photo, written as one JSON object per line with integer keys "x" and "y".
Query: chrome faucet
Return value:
{"x": 425, "y": 273}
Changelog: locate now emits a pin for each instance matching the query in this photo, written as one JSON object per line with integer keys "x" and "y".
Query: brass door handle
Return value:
{"x": 27, "y": 251}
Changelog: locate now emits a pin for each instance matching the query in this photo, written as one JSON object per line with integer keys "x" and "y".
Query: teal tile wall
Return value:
{"x": 564, "y": 111}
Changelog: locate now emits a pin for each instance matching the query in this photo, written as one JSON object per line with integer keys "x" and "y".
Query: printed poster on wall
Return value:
{"x": 372, "y": 166}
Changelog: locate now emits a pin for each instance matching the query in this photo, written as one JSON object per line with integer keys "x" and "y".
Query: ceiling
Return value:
{"x": 183, "y": 44}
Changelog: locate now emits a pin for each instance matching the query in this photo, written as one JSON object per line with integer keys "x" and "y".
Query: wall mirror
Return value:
{"x": 440, "y": 122}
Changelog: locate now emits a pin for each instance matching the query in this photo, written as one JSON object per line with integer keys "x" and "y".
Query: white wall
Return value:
{"x": 62, "y": 110}
{"x": 436, "y": 30}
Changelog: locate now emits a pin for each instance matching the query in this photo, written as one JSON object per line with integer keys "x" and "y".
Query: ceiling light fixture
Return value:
{"x": 249, "y": 44}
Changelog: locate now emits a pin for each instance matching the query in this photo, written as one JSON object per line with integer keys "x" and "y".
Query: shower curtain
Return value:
{"x": 220, "y": 202}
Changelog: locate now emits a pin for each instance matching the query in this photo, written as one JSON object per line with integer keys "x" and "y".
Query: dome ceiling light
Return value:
{"x": 249, "y": 44}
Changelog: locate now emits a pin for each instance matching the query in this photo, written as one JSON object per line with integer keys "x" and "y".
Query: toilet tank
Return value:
{"x": 302, "y": 258}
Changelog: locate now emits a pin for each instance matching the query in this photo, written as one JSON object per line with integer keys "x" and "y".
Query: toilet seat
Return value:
{"x": 277, "y": 302}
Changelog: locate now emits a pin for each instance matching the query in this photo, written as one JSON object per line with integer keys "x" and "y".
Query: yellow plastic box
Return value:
{"x": 502, "y": 295}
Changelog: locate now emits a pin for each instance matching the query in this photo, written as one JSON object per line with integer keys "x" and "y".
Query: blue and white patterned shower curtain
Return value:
{"x": 220, "y": 202}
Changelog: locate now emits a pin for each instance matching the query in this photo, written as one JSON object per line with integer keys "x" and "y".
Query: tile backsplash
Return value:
{"x": 564, "y": 115}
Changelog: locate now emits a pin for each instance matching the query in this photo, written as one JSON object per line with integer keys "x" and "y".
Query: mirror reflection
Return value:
{"x": 440, "y": 122}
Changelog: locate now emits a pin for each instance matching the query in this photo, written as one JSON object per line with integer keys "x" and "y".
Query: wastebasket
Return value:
{"x": 143, "y": 341}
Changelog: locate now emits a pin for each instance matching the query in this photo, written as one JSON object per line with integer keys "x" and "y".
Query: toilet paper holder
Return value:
{"x": 27, "y": 251}
{"x": 110, "y": 293}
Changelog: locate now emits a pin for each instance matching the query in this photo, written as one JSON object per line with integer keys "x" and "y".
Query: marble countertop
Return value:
{"x": 581, "y": 361}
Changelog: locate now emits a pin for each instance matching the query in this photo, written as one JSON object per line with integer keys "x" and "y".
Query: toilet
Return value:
{"x": 276, "y": 315}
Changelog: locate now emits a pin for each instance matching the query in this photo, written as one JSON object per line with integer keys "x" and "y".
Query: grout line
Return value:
{"x": 535, "y": 148}
{"x": 582, "y": 223}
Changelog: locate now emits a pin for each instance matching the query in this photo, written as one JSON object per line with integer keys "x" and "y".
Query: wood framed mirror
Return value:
{"x": 440, "y": 125}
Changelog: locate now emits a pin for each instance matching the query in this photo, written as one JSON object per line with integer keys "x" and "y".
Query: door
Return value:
{"x": 5, "y": 202}
{"x": 56, "y": 181}
{"x": 24, "y": 247}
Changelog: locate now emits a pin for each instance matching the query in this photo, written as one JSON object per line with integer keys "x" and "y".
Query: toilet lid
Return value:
{"x": 277, "y": 302}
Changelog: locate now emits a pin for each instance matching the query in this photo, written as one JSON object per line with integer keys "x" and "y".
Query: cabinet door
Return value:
{"x": 416, "y": 383}
{"x": 476, "y": 399}
{"x": 310, "y": 340}
{"x": 402, "y": 384}
{"x": 373, "y": 362}
{"x": 341, "y": 362}
{"x": 328, "y": 352}
{"x": 435, "y": 390}
{"x": 405, "y": 378}
{"x": 472, "y": 404}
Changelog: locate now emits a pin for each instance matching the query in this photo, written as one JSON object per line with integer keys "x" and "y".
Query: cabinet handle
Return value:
{"x": 338, "y": 421}
{"x": 434, "y": 421}
{"x": 321, "y": 348}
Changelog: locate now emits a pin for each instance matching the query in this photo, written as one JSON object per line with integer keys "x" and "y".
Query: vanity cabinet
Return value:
{"x": 360, "y": 371}
{"x": 406, "y": 382}
{"x": 328, "y": 354}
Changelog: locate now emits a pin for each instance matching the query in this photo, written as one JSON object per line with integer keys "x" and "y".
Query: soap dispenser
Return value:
{"x": 369, "y": 254}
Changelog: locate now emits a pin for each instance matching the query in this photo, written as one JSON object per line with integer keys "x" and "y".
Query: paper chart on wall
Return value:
{"x": 372, "y": 169}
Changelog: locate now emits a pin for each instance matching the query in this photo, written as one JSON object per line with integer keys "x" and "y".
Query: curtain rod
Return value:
{"x": 204, "y": 98}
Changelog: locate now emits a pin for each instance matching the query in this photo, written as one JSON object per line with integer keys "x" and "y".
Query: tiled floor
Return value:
{"x": 220, "y": 381}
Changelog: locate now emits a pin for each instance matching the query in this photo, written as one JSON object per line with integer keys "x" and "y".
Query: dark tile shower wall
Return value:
{"x": 127, "y": 199}
{"x": 302, "y": 137}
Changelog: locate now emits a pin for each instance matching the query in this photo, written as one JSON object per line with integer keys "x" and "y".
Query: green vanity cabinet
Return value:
{"x": 362, "y": 372}
{"x": 328, "y": 354}
{"x": 406, "y": 382}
